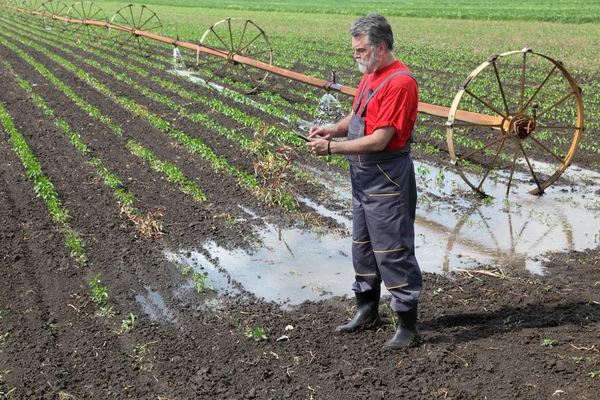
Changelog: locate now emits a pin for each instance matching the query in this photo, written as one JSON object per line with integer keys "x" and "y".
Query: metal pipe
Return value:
{"x": 431, "y": 109}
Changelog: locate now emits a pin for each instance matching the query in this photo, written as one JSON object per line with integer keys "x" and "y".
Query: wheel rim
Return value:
{"x": 231, "y": 37}
{"x": 535, "y": 121}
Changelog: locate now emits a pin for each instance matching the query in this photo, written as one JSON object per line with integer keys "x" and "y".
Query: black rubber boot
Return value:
{"x": 367, "y": 311}
{"x": 407, "y": 334}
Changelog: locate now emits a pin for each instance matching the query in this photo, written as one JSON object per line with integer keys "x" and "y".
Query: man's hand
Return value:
{"x": 322, "y": 131}
{"x": 319, "y": 146}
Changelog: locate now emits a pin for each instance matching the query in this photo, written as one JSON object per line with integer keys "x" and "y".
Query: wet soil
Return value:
{"x": 486, "y": 334}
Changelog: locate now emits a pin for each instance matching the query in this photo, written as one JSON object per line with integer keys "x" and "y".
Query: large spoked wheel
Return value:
{"x": 130, "y": 19}
{"x": 85, "y": 11}
{"x": 55, "y": 8}
{"x": 518, "y": 112}
{"x": 231, "y": 38}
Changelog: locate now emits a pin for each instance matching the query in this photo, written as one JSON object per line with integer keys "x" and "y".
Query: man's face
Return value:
{"x": 365, "y": 55}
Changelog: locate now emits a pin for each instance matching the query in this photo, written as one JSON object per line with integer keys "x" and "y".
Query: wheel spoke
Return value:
{"x": 242, "y": 37}
{"x": 256, "y": 83}
{"x": 512, "y": 168}
{"x": 537, "y": 182}
{"x": 485, "y": 103}
{"x": 540, "y": 127}
{"x": 491, "y": 164}
{"x": 92, "y": 17}
{"x": 260, "y": 53}
{"x": 137, "y": 23}
{"x": 148, "y": 20}
{"x": 540, "y": 87}
{"x": 565, "y": 97}
{"x": 523, "y": 81}
{"x": 216, "y": 60}
{"x": 230, "y": 34}
{"x": 150, "y": 29}
{"x": 131, "y": 22}
{"x": 501, "y": 87}
{"x": 225, "y": 64}
{"x": 503, "y": 138}
{"x": 221, "y": 40}
{"x": 249, "y": 43}
{"x": 471, "y": 125}
{"x": 562, "y": 161}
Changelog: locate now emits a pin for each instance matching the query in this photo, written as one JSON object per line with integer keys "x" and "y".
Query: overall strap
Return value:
{"x": 362, "y": 94}
{"x": 372, "y": 93}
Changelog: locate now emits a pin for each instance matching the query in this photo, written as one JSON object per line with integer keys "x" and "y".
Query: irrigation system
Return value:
{"x": 483, "y": 136}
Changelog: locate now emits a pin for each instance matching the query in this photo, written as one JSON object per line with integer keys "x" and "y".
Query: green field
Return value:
{"x": 503, "y": 26}
{"x": 550, "y": 10}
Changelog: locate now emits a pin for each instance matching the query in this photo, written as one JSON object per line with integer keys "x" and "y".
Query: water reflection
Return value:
{"x": 455, "y": 230}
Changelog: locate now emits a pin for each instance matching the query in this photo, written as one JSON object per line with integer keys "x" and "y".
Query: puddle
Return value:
{"x": 202, "y": 276}
{"x": 452, "y": 232}
{"x": 153, "y": 304}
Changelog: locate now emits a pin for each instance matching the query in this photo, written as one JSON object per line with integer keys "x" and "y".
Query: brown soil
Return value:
{"x": 485, "y": 335}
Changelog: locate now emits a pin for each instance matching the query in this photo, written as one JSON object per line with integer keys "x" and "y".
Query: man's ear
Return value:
{"x": 382, "y": 48}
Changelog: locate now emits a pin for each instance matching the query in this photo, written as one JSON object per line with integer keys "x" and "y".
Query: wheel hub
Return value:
{"x": 522, "y": 126}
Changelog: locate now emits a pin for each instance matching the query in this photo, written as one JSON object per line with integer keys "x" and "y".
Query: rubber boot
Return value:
{"x": 367, "y": 311}
{"x": 406, "y": 334}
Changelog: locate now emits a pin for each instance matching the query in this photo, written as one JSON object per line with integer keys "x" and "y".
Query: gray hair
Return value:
{"x": 377, "y": 29}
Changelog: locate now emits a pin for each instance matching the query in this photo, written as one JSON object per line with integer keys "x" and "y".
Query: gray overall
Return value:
{"x": 384, "y": 197}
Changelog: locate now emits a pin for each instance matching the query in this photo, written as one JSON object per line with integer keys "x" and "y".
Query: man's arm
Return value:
{"x": 364, "y": 145}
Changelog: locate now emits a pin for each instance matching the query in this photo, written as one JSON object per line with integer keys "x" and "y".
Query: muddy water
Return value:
{"x": 454, "y": 230}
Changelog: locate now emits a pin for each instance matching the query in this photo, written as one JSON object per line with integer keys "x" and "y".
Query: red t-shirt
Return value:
{"x": 396, "y": 104}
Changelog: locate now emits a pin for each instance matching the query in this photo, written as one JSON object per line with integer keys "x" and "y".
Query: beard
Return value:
{"x": 368, "y": 66}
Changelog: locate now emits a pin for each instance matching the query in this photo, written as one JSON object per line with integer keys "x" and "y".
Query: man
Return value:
{"x": 384, "y": 193}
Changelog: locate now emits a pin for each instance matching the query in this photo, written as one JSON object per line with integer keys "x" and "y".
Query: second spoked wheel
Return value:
{"x": 224, "y": 43}
{"x": 518, "y": 113}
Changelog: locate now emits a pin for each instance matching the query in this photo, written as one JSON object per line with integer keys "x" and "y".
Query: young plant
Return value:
{"x": 99, "y": 292}
{"x": 548, "y": 343}
{"x": 128, "y": 324}
{"x": 201, "y": 282}
{"x": 257, "y": 334}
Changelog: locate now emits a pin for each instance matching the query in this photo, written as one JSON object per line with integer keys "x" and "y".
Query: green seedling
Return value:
{"x": 201, "y": 282}
{"x": 185, "y": 268}
{"x": 128, "y": 324}
{"x": 99, "y": 292}
{"x": 548, "y": 343}
{"x": 548, "y": 288}
{"x": 257, "y": 334}
{"x": 438, "y": 291}
{"x": 594, "y": 374}
{"x": 577, "y": 360}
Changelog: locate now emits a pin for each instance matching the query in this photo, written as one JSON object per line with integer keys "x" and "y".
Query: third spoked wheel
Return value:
{"x": 125, "y": 25}
{"x": 233, "y": 37}
{"x": 529, "y": 121}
